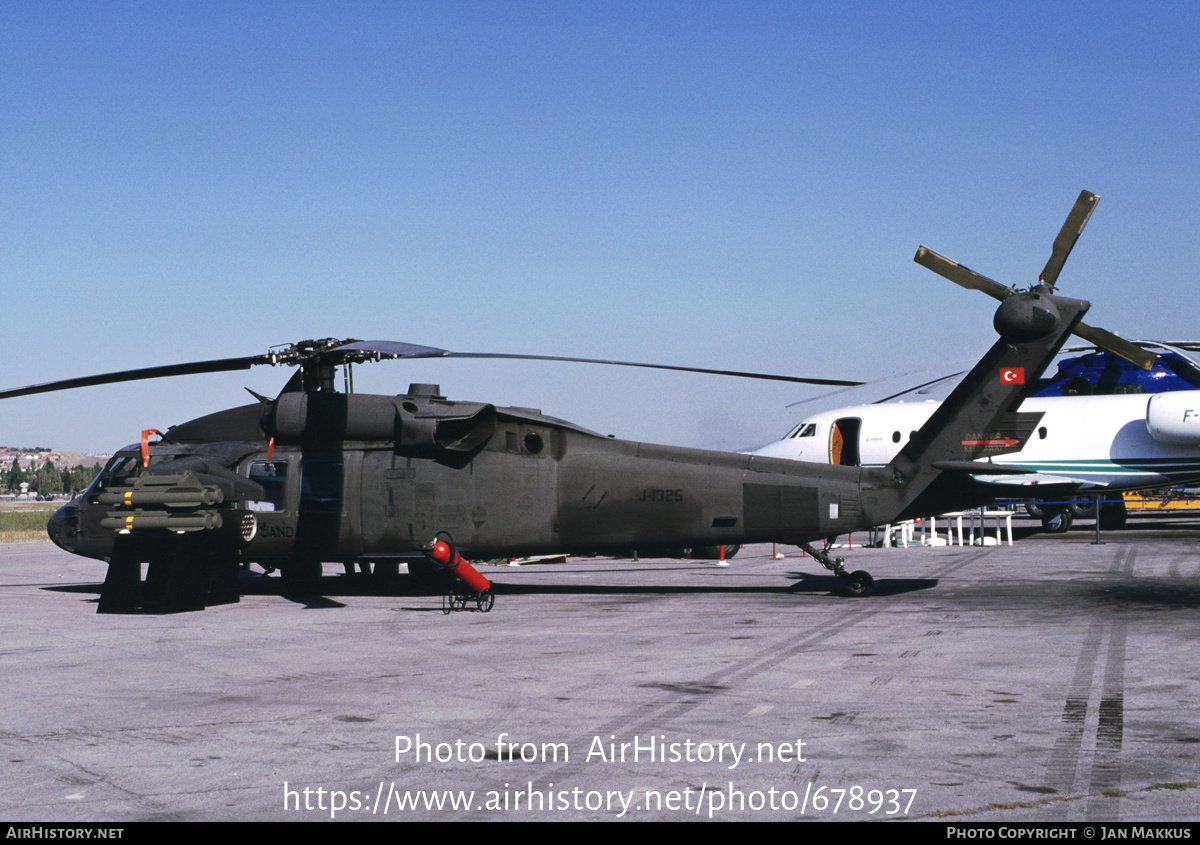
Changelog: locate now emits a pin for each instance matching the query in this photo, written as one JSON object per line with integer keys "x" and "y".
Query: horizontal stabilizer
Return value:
{"x": 976, "y": 467}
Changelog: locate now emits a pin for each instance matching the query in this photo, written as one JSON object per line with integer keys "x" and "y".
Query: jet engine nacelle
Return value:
{"x": 1175, "y": 417}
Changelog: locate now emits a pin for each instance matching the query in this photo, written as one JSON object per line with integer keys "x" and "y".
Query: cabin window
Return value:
{"x": 272, "y": 475}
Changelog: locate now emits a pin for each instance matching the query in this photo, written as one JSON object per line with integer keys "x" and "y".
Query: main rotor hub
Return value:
{"x": 305, "y": 351}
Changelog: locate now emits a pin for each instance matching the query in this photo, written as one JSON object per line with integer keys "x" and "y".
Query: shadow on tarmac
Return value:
{"x": 257, "y": 584}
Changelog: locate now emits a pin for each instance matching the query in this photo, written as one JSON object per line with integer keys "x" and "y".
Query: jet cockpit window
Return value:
{"x": 805, "y": 430}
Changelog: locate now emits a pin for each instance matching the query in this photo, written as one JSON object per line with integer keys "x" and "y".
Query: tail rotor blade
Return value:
{"x": 1065, "y": 242}
{"x": 961, "y": 275}
{"x": 1117, "y": 346}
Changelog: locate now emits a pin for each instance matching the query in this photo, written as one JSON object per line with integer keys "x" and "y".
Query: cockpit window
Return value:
{"x": 118, "y": 464}
{"x": 805, "y": 430}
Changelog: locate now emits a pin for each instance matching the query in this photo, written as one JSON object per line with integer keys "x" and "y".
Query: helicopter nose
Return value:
{"x": 63, "y": 527}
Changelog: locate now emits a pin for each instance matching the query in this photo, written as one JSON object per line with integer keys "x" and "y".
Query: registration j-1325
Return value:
{"x": 658, "y": 494}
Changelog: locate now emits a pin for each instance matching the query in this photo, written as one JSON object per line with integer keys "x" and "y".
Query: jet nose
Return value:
{"x": 63, "y": 527}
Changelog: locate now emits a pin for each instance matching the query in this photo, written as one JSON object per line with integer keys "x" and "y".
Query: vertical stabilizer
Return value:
{"x": 1033, "y": 327}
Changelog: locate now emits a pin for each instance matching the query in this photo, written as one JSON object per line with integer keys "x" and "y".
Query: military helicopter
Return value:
{"x": 316, "y": 475}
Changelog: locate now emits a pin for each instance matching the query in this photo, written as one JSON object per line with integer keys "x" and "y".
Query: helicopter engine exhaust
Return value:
{"x": 443, "y": 555}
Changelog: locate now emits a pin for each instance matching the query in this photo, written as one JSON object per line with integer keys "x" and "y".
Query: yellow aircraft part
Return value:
{"x": 1160, "y": 501}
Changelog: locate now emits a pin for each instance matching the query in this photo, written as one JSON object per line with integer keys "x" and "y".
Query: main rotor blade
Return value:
{"x": 1118, "y": 346}
{"x": 410, "y": 350}
{"x": 1067, "y": 236}
{"x": 389, "y": 348}
{"x": 918, "y": 388}
{"x": 392, "y": 349}
{"x": 961, "y": 275}
{"x": 196, "y": 367}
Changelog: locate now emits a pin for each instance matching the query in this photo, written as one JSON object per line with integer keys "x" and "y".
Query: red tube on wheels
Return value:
{"x": 442, "y": 554}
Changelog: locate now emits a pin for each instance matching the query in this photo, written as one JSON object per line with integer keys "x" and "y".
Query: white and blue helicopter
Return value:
{"x": 1124, "y": 417}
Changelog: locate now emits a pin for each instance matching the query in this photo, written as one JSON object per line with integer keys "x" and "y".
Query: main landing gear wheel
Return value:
{"x": 1058, "y": 523}
{"x": 858, "y": 583}
{"x": 1113, "y": 513}
{"x": 302, "y": 577}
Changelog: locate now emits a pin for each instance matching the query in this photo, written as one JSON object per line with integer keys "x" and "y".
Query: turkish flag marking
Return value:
{"x": 1012, "y": 375}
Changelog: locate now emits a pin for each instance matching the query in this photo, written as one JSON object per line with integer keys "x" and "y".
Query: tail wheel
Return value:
{"x": 858, "y": 583}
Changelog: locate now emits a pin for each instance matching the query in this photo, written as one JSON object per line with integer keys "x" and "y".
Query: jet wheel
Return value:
{"x": 858, "y": 583}
{"x": 1059, "y": 523}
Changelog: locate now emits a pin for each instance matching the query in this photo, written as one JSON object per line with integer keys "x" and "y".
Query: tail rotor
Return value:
{"x": 1063, "y": 244}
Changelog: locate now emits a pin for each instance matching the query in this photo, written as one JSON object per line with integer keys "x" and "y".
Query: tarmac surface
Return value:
{"x": 1053, "y": 680}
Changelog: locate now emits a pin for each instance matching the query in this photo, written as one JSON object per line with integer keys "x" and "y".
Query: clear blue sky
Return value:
{"x": 734, "y": 185}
